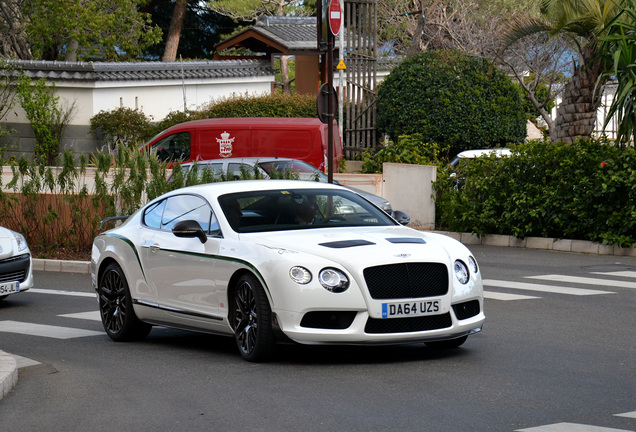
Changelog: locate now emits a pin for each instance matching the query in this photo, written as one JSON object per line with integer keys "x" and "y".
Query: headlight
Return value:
{"x": 300, "y": 275}
{"x": 19, "y": 238}
{"x": 473, "y": 264}
{"x": 461, "y": 272}
{"x": 333, "y": 280}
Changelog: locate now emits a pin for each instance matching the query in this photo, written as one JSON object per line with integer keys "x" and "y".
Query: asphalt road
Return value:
{"x": 557, "y": 354}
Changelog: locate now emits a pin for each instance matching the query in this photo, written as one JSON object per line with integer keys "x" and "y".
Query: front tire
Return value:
{"x": 116, "y": 309}
{"x": 252, "y": 319}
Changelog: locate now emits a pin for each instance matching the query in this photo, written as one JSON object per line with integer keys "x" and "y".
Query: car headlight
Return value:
{"x": 472, "y": 263}
{"x": 300, "y": 275}
{"x": 22, "y": 243}
{"x": 333, "y": 280}
{"x": 461, "y": 272}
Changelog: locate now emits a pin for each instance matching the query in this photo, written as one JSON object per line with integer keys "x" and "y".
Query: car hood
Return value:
{"x": 370, "y": 246}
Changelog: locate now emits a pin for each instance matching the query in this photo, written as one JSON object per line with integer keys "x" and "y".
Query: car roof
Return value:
{"x": 247, "y": 160}
{"x": 221, "y": 188}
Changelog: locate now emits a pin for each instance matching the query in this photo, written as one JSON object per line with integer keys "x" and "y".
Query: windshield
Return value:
{"x": 302, "y": 169}
{"x": 279, "y": 210}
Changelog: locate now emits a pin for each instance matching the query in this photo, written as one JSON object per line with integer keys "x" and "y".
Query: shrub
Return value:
{"x": 274, "y": 105}
{"x": 126, "y": 125}
{"x": 453, "y": 99}
{"x": 585, "y": 190}
{"x": 409, "y": 149}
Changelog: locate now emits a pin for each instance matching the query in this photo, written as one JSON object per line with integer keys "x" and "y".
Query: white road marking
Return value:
{"x": 542, "y": 288}
{"x": 571, "y": 427}
{"x": 627, "y": 414}
{"x": 92, "y": 316}
{"x": 585, "y": 281}
{"x": 626, "y": 274}
{"x": 61, "y": 292}
{"x": 55, "y": 332}
{"x": 22, "y": 362}
{"x": 505, "y": 296}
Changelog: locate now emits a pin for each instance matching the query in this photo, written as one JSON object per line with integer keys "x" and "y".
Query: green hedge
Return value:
{"x": 585, "y": 190}
{"x": 452, "y": 99}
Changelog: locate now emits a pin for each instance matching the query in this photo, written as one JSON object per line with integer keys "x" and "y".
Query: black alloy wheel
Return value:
{"x": 251, "y": 319}
{"x": 115, "y": 307}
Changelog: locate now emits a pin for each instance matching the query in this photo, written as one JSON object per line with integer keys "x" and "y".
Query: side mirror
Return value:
{"x": 401, "y": 217}
{"x": 189, "y": 229}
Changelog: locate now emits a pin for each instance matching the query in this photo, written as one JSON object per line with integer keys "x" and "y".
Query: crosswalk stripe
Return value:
{"x": 92, "y": 316}
{"x": 570, "y": 427}
{"x": 542, "y": 288}
{"x": 61, "y": 292}
{"x": 626, "y": 274}
{"x": 505, "y": 296}
{"x": 22, "y": 362}
{"x": 45, "y": 330}
{"x": 585, "y": 280}
{"x": 627, "y": 415}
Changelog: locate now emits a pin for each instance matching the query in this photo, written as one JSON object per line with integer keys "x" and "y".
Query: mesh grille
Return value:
{"x": 333, "y": 320}
{"x": 466, "y": 310}
{"x": 408, "y": 280}
{"x": 407, "y": 325}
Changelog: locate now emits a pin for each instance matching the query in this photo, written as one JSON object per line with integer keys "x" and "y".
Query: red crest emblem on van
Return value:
{"x": 225, "y": 144}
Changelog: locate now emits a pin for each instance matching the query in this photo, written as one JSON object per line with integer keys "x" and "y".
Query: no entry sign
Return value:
{"x": 335, "y": 17}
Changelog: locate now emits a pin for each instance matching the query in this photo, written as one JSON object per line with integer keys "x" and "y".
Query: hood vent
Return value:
{"x": 346, "y": 244}
{"x": 411, "y": 240}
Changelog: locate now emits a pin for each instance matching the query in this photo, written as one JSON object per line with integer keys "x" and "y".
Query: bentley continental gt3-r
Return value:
{"x": 283, "y": 261}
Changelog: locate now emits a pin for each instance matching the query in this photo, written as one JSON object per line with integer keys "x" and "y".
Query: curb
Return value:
{"x": 64, "y": 266}
{"x": 8, "y": 374}
{"x": 542, "y": 243}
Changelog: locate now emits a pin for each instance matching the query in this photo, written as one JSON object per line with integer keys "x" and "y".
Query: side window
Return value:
{"x": 152, "y": 215}
{"x": 173, "y": 147}
{"x": 188, "y": 207}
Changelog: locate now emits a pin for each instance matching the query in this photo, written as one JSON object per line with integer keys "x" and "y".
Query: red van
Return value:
{"x": 295, "y": 138}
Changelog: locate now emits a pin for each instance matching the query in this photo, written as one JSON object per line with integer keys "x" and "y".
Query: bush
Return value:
{"x": 409, "y": 149}
{"x": 452, "y": 99}
{"x": 126, "y": 125}
{"x": 585, "y": 190}
{"x": 274, "y": 105}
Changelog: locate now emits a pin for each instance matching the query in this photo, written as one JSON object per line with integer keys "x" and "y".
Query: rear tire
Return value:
{"x": 252, "y": 319}
{"x": 116, "y": 308}
{"x": 447, "y": 344}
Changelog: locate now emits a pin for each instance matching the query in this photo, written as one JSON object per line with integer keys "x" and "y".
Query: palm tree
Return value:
{"x": 582, "y": 22}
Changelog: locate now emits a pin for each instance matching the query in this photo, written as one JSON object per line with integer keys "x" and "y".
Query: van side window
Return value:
{"x": 173, "y": 147}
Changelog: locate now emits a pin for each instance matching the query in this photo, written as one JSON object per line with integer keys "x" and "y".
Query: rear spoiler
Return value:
{"x": 112, "y": 218}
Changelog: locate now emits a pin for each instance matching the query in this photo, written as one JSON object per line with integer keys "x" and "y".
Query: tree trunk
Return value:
{"x": 284, "y": 74}
{"x": 71, "y": 51}
{"x": 174, "y": 32}
{"x": 576, "y": 115}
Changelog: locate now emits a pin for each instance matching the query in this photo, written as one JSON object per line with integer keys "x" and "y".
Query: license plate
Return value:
{"x": 410, "y": 309}
{"x": 9, "y": 288}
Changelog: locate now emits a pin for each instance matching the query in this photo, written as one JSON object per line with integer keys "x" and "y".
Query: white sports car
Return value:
{"x": 16, "y": 271}
{"x": 283, "y": 261}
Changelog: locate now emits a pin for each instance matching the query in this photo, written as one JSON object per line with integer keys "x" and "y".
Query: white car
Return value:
{"x": 283, "y": 260}
{"x": 16, "y": 270}
{"x": 471, "y": 154}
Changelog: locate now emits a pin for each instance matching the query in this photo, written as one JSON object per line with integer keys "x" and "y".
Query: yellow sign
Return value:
{"x": 341, "y": 65}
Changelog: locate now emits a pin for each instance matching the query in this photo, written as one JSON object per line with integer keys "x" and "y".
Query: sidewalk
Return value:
{"x": 8, "y": 366}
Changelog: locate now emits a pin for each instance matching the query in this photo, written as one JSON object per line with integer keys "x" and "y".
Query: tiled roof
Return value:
{"x": 136, "y": 71}
{"x": 293, "y": 32}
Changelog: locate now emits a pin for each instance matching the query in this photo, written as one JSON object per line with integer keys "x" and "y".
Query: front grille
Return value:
{"x": 408, "y": 325}
{"x": 332, "y": 320}
{"x": 466, "y": 310}
{"x": 408, "y": 280}
{"x": 14, "y": 269}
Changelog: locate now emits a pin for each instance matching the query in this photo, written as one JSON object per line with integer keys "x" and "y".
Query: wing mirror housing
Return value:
{"x": 401, "y": 217}
{"x": 189, "y": 229}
